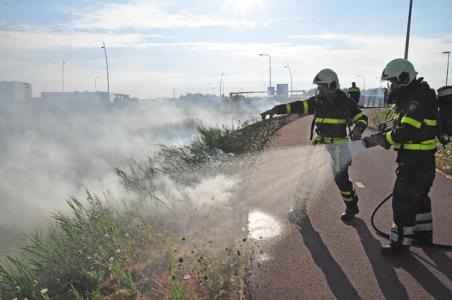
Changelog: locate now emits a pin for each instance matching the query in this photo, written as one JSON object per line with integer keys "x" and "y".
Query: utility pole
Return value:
{"x": 407, "y": 42}
{"x": 447, "y": 72}
{"x": 221, "y": 83}
{"x": 106, "y": 63}
{"x": 62, "y": 74}
{"x": 291, "y": 81}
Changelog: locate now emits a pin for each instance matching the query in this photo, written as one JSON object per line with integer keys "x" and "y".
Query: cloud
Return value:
{"x": 242, "y": 7}
{"x": 45, "y": 38}
{"x": 192, "y": 64}
{"x": 148, "y": 15}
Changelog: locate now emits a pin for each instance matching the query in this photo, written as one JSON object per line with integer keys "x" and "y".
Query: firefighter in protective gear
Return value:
{"x": 333, "y": 112}
{"x": 354, "y": 92}
{"x": 413, "y": 137}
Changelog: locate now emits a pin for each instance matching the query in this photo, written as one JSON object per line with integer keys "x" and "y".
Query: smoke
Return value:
{"x": 46, "y": 155}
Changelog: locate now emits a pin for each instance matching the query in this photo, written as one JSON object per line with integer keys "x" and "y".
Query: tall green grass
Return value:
{"x": 82, "y": 252}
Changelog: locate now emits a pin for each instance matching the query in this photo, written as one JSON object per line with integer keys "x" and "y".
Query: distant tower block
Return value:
{"x": 282, "y": 90}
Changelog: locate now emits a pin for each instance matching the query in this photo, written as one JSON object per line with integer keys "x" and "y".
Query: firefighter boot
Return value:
{"x": 423, "y": 228}
{"x": 423, "y": 237}
{"x": 394, "y": 249}
{"x": 351, "y": 210}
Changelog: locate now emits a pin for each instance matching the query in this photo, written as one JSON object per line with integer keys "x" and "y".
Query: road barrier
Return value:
{"x": 372, "y": 101}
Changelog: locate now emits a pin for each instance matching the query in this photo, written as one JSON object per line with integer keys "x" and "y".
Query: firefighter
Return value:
{"x": 354, "y": 92}
{"x": 413, "y": 137}
{"x": 333, "y": 112}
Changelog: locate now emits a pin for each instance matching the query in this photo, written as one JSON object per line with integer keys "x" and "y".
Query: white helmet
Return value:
{"x": 328, "y": 77}
{"x": 401, "y": 70}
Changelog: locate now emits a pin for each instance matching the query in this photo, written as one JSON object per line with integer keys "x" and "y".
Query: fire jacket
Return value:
{"x": 354, "y": 93}
{"x": 414, "y": 128}
{"x": 331, "y": 118}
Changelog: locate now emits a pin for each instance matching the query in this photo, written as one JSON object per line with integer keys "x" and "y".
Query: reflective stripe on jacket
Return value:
{"x": 331, "y": 118}
{"x": 414, "y": 128}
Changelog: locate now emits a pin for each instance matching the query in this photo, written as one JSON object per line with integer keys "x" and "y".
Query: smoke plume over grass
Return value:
{"x": 46, "y": 156}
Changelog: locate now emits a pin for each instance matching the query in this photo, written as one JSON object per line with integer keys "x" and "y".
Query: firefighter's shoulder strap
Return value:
{"x": 348, "y": 117}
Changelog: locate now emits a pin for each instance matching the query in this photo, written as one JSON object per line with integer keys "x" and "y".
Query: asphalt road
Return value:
{"x": 324, "y": 258}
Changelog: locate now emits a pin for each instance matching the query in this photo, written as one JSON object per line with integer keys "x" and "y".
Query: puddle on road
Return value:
{"x": 263, "y": 226}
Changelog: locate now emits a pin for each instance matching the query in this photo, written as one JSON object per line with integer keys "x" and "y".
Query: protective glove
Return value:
{"x": 376, "y": 140}
{"x": 270, "y": 113}
{"x": 356, "y": 133}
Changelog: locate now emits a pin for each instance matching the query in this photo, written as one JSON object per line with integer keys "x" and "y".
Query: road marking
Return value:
{"x": 360, "y": 185}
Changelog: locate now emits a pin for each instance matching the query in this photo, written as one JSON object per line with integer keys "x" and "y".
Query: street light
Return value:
{"x": 221, "y": 82}
{"x": 106, "y": 63}
{"x": 270, "y": 66}
{"x": 364, "y": 77}
{"x": 407, "y": 41}
{"x": 447, "y": 72}
{"x": 291, "y": 81}
{"x": 95, "y": 83}
{"x": 62, "y": 74}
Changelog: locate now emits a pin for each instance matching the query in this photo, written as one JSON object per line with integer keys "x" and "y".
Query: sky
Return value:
{"x": 159, "y": 47}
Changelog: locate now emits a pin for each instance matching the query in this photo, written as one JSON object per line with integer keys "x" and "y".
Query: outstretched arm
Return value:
{"x": 301, "y": 107}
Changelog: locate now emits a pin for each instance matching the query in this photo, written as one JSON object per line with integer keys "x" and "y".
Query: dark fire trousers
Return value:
{"x": 411, "y": 204}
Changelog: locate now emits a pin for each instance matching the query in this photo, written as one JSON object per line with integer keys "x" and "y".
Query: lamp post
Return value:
{"x": 291, "y": 81}
{"x": 106, "y": 64}
{"x": 447, "y": 72}
{"x": 62, "y": 74}
{"x": 95, "y": 83}
{"x": 221, "y": 83}
{"x": 364, "y": 78}
{"x": 269, "y": 67}
{"x": 407, "y": 41}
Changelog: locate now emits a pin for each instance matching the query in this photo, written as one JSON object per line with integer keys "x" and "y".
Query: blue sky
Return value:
{"x": 154, "y": 46}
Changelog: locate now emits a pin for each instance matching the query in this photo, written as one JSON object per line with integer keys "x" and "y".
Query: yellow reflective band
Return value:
{"x": 389, "y": 138}
{"x": 412, "y": 122}
{"x": 430, "y": 122}
{"x": 288, "y": 108}
{"x": 359, "y": 115}
{"x": 425, "y": 146}
{"x": 347, "y": 199}
{"x": 329, "y": 121}
{"x": 305, "y": 107}
{"x": 330, "y": 140}
{"x": 346, "y": 193}
{"x": 353, "y": 89}
{"x": 362, "y": 121}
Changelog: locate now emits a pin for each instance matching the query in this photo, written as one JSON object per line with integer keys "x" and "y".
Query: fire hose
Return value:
{"x": 386, "y": 236}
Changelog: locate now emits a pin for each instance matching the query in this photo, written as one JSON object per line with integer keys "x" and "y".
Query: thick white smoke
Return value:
{"x": 45, "y": 156}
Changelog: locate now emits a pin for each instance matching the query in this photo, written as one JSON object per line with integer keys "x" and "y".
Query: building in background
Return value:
{"x": 282, "y": 90}
{"x": 12, "y": 92}
{"x": 75, "y": 100}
